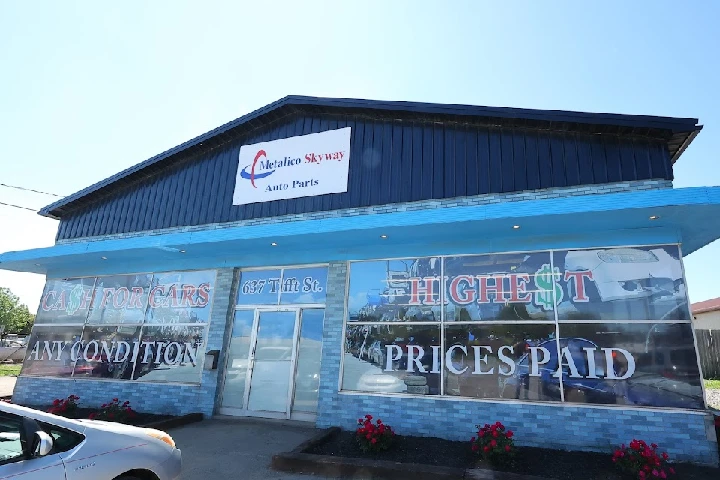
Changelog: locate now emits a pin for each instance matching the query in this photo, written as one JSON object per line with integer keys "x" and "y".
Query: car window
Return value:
{"x": 63, "y": 439}
{"x": 10, "y": 446}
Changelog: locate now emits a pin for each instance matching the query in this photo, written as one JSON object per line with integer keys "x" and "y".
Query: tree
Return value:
{"x": 14, "y": 316}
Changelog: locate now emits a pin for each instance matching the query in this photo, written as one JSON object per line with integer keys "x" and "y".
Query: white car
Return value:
{"x": 35, "y": 445}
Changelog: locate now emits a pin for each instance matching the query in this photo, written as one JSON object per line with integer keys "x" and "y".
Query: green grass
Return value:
{"x": 8, "y": 369}
{"x": 712, "y": 384}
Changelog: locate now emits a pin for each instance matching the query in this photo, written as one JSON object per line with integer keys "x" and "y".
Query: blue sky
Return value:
{"x": 90, "y": 88}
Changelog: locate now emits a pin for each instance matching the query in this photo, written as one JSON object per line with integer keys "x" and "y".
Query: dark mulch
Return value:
{"x": 138, "y": 420}
{"x": 541, "y": 462}
{"x": 430, "y": 451}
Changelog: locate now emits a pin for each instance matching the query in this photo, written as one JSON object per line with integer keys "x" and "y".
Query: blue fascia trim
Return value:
{"x": 593, "y": 220}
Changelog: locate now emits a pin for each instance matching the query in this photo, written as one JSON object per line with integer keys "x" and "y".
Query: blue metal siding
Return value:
{"x": 390, "y": 162}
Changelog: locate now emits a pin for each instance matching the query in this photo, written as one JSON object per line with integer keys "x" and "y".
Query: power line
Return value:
{"x": 17, "y": 206}
{"x": 30, "y": 190}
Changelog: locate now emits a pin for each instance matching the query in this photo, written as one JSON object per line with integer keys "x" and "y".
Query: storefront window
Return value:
{"x": 148, "y": 327}
{"x": 120, "y": 299}
{"x": 512, "y": 287}
{"x": 395, "y": 290}
{"x": 392, "y": 359}
{"x": 646, "y": 364}
{"x": 598, "y": 326}
{"x": 65, "y": 301}
{"x": 632, "y": 283}
{"x": 502, "y": 361}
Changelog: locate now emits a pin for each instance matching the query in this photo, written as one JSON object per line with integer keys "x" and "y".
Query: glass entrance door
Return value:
{"x": 272, "y": 361}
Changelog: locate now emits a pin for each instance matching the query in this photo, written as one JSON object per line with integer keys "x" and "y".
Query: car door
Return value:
{"x": 13, "y": 463}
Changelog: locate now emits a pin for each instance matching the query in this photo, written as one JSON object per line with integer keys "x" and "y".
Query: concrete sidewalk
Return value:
{"x": 7, "y": 384}
{"x": 238, "y": 448}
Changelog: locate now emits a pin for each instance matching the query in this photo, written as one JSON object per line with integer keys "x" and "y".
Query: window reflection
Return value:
{"x": 392, "y": 359}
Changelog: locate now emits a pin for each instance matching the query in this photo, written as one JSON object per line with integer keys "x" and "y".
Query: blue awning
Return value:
{"x": 687, "y": 215}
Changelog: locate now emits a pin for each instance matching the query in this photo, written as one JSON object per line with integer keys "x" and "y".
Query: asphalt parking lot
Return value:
{"x": 228, "y": 448}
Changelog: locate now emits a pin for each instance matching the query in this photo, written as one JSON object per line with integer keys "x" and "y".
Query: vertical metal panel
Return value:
{"x": 585, "y": 161}
{"x": 545, "y": 161}
{"x": 438, "y": 167}
{"x": 531, "y": 161}
{"x": 572, "y": 163}
{"x": 428, "y": 150}
{"x": 495, "y": 161}
{"x": 461, "y": 162}
{"x": 557, "y": 157}
{"x": 225, "y": 189}
{"x": 416, "y": 163}
{"x": 597, "y": 150}
{"x": 507, "y": 161}
{"x": 450, "y": 160}
{"x": 383, "y": 160}
{"x": 660, "y": 161}
{"x": 519, "y": 161}
{"x": 391, "y": 161}
{"x": 641, "y": 159}
{"x": 389, "y": 165}
{"x": 483, "y": 150}
{"x": 471, "y": 159}
{"x": 357, "y": 161}
{"x": 612, "y": 155}
{"x": 169, "y": 188}
{"x": 627, "y": 161}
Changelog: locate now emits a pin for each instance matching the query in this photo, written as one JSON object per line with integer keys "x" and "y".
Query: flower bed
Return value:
{"x": 339, "y": 451}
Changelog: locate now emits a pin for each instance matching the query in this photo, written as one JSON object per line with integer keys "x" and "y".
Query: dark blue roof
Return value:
{"x": 678, "y": 132}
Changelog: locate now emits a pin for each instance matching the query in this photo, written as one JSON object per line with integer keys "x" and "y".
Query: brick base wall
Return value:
{"x": 685, "y": 435}
{"x": 165, "y": 398}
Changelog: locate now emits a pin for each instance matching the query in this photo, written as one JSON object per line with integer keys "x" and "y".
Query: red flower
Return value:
{"x": 671, "y": 470}
{"x": 368, "y": 436}
{"x": 369, "y": 417}
{"x": 493, "y": 443}
{"x": 641, "y": 474}
{"x": 379, "y": 422}
{"x": 494, "y": 434}
{"x": 507, "y": 448}
{"x": 373, "y": 441}
{"x": 475, "y": 448}
{"x": 92, "y": 416}
{"x": 509, "y": 434}
{"x": 665, "y": 456}
{"x": 486, "y": 449}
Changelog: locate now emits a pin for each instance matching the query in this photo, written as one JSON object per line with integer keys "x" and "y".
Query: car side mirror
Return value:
{"x": 43, "y": 444}
{"x": 35, "y": 442}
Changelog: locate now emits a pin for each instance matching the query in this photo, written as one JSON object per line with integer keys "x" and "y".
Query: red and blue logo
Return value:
{"x": 252, "y": 175}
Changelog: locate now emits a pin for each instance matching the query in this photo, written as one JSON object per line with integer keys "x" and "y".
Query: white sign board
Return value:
{"x": 303, "y": 166}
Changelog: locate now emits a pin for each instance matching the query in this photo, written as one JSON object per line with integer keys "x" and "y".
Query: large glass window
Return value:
{"x": 599, "y": 325}
{"x": 147, "y": 327}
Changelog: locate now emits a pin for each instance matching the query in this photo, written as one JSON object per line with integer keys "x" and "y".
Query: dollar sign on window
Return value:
{"x": 545, "y": 282}
{"x": 73, "y": 304}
